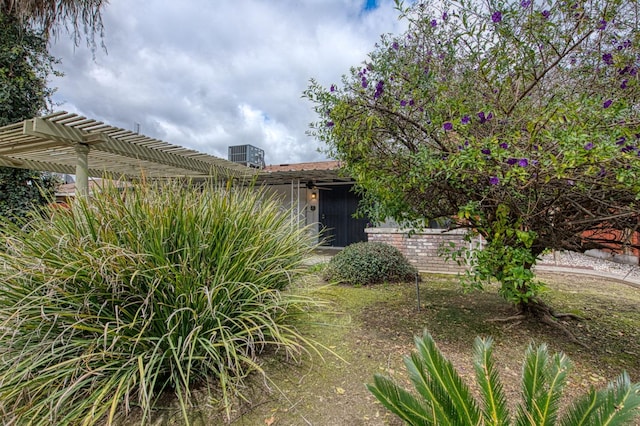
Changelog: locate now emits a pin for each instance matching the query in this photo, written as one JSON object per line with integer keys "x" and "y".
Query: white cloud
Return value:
{"x": 207, "y": 75}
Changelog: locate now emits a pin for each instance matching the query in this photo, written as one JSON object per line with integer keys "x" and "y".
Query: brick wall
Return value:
{"x": 422, "y": 248}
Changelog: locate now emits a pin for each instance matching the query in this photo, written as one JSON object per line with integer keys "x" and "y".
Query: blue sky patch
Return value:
{"x": 370, "y": 4}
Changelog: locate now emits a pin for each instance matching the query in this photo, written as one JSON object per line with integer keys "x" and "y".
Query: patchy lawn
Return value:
{"x": 369, "y": 329}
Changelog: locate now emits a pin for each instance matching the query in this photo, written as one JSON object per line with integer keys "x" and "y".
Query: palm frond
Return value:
{"x": 435, "y": 397}
{"x": 402, "y": 403}
{"x": 617, "y": 404}
{"x": 452, "y": 393}
{"x": 583, "y": 411}
{"x": 548, "y": 400}
{"x": 495, "y": 411}
{"x": 533, "y": 384}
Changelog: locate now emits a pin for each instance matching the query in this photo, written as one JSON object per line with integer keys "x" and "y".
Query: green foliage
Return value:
{"x": 24, "y": 191}
{"x": 516, "y": 119}
{"x": 136, "y": 292}
{"x": 501, "y": 259}
{"x": 369, "y": 263}
{"x": 442, "y": 398}
{"x": 25, "y": 66}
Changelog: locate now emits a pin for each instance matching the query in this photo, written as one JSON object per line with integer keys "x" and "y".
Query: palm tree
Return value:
{"x": 76, "y": 16}
{"x": 442, "y": 398}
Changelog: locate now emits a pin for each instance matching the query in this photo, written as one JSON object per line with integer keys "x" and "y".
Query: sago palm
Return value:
{"x": 442, "y": 398}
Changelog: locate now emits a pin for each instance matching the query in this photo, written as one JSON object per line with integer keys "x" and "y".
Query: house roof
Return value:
{"x": 50, "y": 143}
{"x": 320, "y": 173}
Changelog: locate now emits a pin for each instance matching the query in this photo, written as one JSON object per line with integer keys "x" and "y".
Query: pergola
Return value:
{"x": 69, "y": 143}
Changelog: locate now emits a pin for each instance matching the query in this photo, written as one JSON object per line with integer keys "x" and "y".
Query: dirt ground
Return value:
{"x": 368, "y": 330}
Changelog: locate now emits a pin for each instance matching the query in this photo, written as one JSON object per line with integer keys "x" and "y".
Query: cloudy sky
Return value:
{"x": 207, "y": 75}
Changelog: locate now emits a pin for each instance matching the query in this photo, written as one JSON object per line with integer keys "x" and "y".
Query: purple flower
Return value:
{"x": 447, "y": 126}
{"x": 411, "y": 102}
{"x": 330, "y": 123}
{"x": 483, "y": 118}
{"x": 364, "y": 83}
{"x": 332, "y": 88}
{"x": 607, "y": 103}
{"x": 493, "y": 180}
{"x": 433, "y": 23}
{"x": 525, "y": 3}
{"x": 504, "y": 145}
{"x": 607, "y": 58}
{"x": 395, "y": 45}
{"x": 445, "y": 15}
{"x": 523, "y": 162}
{"x": 621, "y": 140}
{"x": 536, "y": 147}
{"x": 546, "y": 14}
{"x": 379, "y": 89}
{"x": 603, "y": 25}
{"x": 602, "y": 172}
{"x": 403, "y": 103}
{"x": 588, "y": 146}
{"x": 512, "y": 161}
{"x": 570, "y": 182}
{"x": 633, "y": 71}
{"x": 623, "y": 85}
{"x": 496, "y": 17}
{"x": 465, "y": 119}
{"x": 486, "y": 151}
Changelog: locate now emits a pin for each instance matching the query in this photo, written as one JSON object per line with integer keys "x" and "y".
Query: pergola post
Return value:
{"x": 82, "y": 170}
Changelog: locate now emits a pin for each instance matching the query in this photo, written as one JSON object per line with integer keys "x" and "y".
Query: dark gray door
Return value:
{"x": 337, "y": 207}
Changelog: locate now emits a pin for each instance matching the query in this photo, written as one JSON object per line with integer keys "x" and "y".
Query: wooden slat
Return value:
{"x": 48, "y": 143}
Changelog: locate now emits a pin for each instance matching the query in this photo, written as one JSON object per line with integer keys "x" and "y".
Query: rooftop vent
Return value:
{"x": 248, "y": 155}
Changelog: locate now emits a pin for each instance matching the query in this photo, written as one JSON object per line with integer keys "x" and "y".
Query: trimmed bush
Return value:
{"x": 369, "y": 263}
{"x": 156, "y": 288}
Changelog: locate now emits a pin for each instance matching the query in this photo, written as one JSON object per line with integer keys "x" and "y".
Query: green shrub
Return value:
{"x": 442, "y": 398}
{"x": 157, "y": 288}
{"x": 369, "y": 263}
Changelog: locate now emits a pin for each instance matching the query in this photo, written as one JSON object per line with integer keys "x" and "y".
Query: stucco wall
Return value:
{"x": 422, "y": 248}
{"x": 304, "y": 206}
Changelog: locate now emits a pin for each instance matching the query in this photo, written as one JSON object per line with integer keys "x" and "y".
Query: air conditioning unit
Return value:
{"x": 248, "y": 155}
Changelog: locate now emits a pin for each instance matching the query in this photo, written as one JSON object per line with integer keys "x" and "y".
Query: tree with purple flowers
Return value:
{"x": 518, "y": 120}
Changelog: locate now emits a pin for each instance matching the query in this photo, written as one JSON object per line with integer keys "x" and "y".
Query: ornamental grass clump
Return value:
{"x": 369, "y": 263}
{"x": 142, "y": 291}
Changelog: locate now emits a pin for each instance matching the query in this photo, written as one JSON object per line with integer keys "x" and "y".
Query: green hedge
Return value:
{"x": 369, "y": 263}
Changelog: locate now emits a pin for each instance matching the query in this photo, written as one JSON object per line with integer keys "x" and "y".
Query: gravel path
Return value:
{"x": 583, "y": 261}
